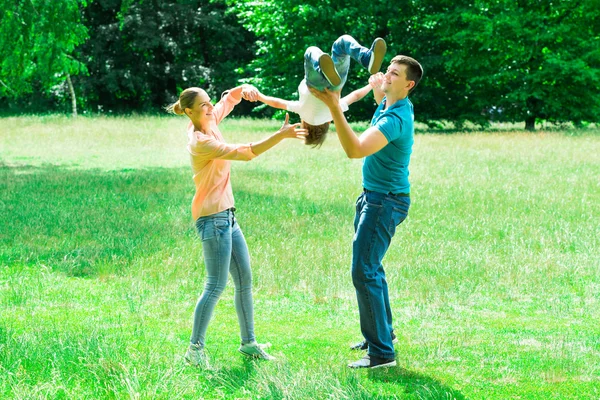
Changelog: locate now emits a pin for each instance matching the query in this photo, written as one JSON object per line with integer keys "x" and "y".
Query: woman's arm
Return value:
{"x": 286, "y": 131}
{"x": 244, "y": 91}
{"x": 209, "y": 148}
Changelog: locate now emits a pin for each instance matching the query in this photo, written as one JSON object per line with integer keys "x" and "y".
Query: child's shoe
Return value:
{"x": 378, "y": 49}
{"x": 328, "y": 70}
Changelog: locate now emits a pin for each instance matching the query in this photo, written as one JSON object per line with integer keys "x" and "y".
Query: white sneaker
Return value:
{"x": 255, "y": 350}
{"x": 196, "y": 356}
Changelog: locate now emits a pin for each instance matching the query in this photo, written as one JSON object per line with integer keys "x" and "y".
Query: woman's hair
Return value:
{"x": 186, "y": 100}
{"x": 316, "y": 133}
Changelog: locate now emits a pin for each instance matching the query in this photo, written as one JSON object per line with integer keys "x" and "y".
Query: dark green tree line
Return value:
{"x": 143, "y": 54}
{"x": 493, "y": 60}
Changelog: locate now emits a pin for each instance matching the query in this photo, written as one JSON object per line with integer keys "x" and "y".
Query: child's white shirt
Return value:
{"x": 311, "y": 109}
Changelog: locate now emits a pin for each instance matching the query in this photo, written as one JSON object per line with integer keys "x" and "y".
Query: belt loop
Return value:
{"x": 232, "y": 211}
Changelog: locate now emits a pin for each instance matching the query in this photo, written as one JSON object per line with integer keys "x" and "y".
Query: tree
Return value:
{"x": 486, "y": 60}
{"x": 523, "y": 60}
{"x": 142, "y": 54}
{"x": 38, "y": 40}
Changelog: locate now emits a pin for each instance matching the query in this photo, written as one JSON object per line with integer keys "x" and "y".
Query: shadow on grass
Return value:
{"x": 83, "y": 222}
{"x": 235, "y": 377}
{"x": 419, "y": 385}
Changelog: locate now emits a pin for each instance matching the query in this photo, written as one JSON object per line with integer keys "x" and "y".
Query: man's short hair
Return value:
{"x": 414, "y": 71}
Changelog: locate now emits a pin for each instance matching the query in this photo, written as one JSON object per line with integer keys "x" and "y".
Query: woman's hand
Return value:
{"x": 331, "y": 99}
{"x": 250, "y": 93}
{"x": 291, "y": 131}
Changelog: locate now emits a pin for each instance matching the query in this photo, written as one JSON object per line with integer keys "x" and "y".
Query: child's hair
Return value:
{"x": 186, "y": 100}
{"x": 316, "y": 133}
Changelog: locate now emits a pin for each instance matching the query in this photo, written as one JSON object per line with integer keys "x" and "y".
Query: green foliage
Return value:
{"x": 38, "y": 41}
{"x": 142, "y": 54}
{"x": 518, "y": 61}
{"x": 484, "y": 60}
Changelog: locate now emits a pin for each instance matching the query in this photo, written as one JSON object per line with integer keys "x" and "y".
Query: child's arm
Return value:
{"x": 357, "y": 95}
{"x": 274, "y": 102}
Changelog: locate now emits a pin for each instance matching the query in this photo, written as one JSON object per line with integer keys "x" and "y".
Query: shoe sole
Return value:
{"x": 379, "y": 49}
{"x": 255, "y": 356}
{"x": 328, "y": 69}
{"x": 384, "y": 365}
{"x": 195, "y": 365}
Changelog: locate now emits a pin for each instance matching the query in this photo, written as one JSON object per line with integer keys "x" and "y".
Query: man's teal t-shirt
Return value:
{"x": 386, "y": 171}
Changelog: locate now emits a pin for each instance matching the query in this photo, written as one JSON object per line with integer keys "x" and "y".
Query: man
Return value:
{"x": 384, "y": 204}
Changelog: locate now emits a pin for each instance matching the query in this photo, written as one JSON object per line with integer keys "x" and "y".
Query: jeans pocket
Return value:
{"x": 358, "y": 203}
{"x": 214, "y": 228}
{"x": 398, "y": 216}
{"x": 374, "y": 199}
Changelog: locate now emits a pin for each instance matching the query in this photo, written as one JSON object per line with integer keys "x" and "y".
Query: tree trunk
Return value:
{"x": 72, "y": 93}
{"x": 530, "y": 124}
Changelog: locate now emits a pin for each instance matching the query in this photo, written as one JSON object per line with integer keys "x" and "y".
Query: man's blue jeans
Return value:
{"x": 344, "y": 48}
{"x": 377, "y": 216}
{"x": 225, "y": 251}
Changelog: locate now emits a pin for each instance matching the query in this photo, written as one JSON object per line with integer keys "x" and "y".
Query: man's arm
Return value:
{"x": 371, "y": 141}
{"x": 375, "y": 82}
{"x": 357, "y": 95}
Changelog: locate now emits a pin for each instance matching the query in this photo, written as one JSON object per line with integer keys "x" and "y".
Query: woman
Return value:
{"x": 223, "y": 243}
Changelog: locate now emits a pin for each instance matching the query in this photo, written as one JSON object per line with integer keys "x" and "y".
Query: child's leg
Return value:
{"x": 312, "y": 69}
{"x": 346, "y": 47}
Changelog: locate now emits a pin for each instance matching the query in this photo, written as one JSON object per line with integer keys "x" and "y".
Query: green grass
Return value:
{"x": 494, "y": 277}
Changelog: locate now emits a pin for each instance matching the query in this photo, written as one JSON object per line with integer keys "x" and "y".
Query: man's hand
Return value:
{"x": 376, "y": 80}
{"x": 250, "y": 93}
{"x": 331, "y": 99}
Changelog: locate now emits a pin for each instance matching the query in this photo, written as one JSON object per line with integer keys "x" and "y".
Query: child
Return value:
{"x": 324, "y": 71}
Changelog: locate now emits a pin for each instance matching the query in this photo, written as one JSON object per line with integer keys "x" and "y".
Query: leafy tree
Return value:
{"x": 486, "y": 60}
{"x": 143, "y": 53}
{"x": 38, "y": 40}
{"x": 522, "y": 60}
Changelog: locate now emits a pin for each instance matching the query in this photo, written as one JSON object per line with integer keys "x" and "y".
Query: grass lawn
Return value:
{"x": 494, "y": 277}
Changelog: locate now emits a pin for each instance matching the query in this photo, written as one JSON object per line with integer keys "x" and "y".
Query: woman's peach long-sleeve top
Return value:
{"x": 211, "y": 162}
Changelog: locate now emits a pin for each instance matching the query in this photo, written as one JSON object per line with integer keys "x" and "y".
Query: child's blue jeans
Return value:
{"x": 344, "y": 48}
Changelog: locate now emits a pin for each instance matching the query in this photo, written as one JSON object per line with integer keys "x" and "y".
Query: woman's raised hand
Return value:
{"x": 292, "y": 131}
{"x": 249, "y": 93}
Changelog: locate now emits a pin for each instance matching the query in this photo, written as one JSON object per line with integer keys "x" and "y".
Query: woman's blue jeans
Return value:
{"x": 225, "y": 251}
{"x": 344, "y": 48}
{"x": 375, "y": 222}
